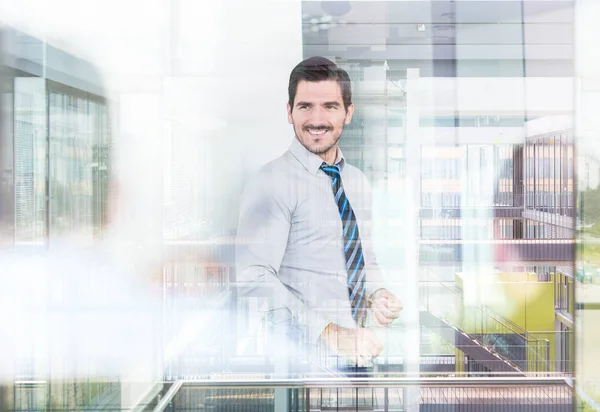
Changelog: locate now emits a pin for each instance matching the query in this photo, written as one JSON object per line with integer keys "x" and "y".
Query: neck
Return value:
{"x": 329, "y": 156}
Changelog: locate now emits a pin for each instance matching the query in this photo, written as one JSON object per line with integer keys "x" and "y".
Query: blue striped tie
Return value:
{"x": 355, "y": 265}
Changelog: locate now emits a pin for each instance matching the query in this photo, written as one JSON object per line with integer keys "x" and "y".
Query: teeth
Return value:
{"x": 317, "y": 131}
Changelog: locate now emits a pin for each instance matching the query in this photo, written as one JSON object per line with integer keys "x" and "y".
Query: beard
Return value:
{"x": 322, "y": 149}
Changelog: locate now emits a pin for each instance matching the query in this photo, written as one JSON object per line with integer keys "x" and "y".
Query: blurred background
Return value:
{"x": 128, "y": 129}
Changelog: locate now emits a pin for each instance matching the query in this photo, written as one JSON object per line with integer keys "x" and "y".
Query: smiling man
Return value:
{"x": 304, "y": 229}
{"x": 319, "y": 113}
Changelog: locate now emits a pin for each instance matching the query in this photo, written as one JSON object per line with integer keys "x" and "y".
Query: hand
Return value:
{"x": 385, "y": 307}
{"x": 360, "y": 344}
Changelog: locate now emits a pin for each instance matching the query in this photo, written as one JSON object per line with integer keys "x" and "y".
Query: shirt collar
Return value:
{"x": 311, "y": 161}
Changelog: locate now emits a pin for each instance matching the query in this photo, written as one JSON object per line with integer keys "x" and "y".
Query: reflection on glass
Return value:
{"x": 30, "y": 162}
{"x": 56, "y": 162}
{"x": 464, "y": 126}
{"x": 79, "y": 136}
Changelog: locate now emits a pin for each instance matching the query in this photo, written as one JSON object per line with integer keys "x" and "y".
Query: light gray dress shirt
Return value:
{"x": 289, "y": 245}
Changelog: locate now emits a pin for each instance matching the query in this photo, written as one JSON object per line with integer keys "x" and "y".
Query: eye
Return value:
{"x": 331, "y": 107}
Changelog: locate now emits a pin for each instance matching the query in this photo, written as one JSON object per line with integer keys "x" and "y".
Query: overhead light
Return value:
{"x": 420, "y": 27}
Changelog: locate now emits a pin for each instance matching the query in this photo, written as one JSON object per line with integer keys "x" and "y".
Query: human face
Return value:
{"x": 319, "y": 117}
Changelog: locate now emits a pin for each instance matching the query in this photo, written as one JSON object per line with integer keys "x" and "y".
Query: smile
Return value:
{"x": 317, "y": 132}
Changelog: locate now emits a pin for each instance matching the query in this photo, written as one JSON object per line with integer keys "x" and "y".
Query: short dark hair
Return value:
{"x": 316, "y": 69}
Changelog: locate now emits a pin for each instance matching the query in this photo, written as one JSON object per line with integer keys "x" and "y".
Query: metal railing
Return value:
{"x": 382, "y": 394}
{"x": 491, "y": 329}
{"x": 437, "y": 197}
{"x": 61, "y": 395}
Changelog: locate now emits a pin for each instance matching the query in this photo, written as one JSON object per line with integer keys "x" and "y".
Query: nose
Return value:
{"x": 317, "y": 116}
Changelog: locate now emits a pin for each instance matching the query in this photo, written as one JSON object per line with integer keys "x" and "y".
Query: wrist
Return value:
{"x": 373, "y": 296}
{"x": 329, "y": 330}
{"x": 329, "y": 335}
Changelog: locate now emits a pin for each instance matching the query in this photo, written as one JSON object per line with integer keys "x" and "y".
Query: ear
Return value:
{"x": 349, "y": 114}
{"x": 289, "y": 113}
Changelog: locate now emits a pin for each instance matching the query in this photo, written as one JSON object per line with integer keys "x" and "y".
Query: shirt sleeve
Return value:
{"x": 262, "y": 237}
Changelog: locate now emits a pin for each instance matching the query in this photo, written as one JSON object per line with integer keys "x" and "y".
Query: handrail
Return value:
{"x": 164, "y": 402}
{"x": 537, "y": 344}
{"x": 515, "y": 328}
{"x": 339, "y": 383}
{"x": 507, "y": 323}
{"x": 399, "y": 382}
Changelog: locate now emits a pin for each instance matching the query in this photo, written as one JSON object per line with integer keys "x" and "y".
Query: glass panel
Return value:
{"x": 134, "y": 164}
{"x": 31, "y": 161}
{"x": 79, "y": 166}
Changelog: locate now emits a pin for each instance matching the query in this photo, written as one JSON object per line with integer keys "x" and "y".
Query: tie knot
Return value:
{"x": 331, "y": 171}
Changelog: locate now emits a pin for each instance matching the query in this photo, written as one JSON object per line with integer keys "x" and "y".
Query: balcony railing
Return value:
{"x": 374, "y": 394}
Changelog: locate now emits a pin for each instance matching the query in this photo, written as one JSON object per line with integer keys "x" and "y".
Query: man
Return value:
{"x": 303, "y": 232}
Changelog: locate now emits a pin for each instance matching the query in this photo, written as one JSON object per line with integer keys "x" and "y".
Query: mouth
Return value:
{"x": 317, "y": 131}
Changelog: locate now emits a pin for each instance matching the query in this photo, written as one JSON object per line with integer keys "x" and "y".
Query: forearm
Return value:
{"x": 283, "y": 306}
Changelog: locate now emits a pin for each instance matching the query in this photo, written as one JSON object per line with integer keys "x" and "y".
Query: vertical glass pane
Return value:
{"x": 31, "y": 160}
{"x": 79, "y": 165}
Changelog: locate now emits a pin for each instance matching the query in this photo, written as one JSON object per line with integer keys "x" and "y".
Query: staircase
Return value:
{"x": 468, "y": 345}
